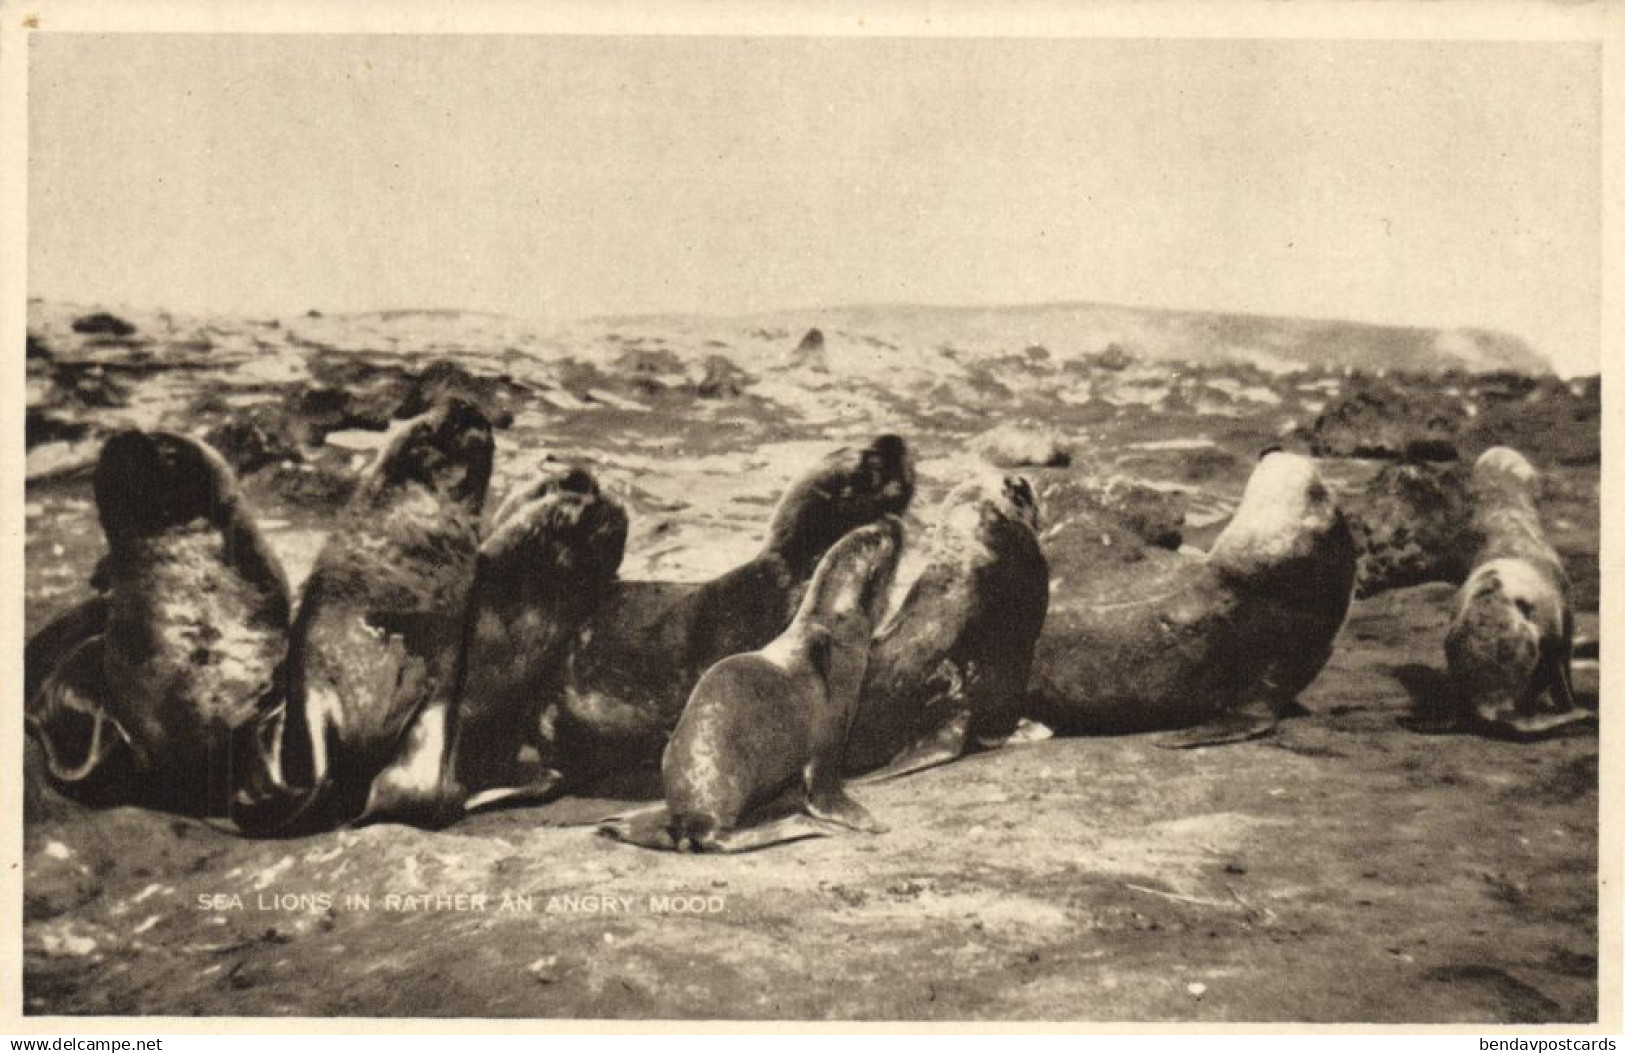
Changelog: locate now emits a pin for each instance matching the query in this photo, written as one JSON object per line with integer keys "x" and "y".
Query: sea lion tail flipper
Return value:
{"x": 649, "y": 827}
{"x": 542, "y": 788}
{"x": 1250, "y": 720}
{"x": 945, "y": 744}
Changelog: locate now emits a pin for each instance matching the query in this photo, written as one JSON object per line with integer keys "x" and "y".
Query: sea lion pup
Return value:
{"x": 632, "y": 665}
{"x": 948, "y": 669}
{"x": 551, "y": 553}
{"x": 154, "y": 692}
{"x": 770, "y": 721}
{"x": 377, "y": 645}
{"x": 1145, "y": 639}
{"x": 1512, "y": 638}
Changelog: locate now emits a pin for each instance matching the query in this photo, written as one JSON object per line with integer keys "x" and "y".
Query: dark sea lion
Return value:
{"x": 947, "y": 671}
{"x": 1511, "y": 641}
{"x": 377, "y": 647}
{"x": 1142, "y": 639}
{"x": 631, "y": 667}
{"x": 551, "y": 554}
{"x": 154, "y": 692}
{"x": 775, "y": 720}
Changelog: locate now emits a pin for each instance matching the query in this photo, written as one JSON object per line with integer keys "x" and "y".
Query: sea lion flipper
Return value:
{"x": 70, "y": 719}
{"x": 832, "y": 805}
{"x": 417, "y": 786}
{"x": 543, "y": 787}
{"x": 795, "y": 827}
{"x": 649, "y": 827}
{"x": 1562, "y": 684}
{"x": 49, "y": 648}
{"x": 1528, "y": 727}
{"x": 945, "y": 744}
{"x": 1253, "y": 719}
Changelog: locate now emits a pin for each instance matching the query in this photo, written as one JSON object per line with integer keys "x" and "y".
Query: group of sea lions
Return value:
{"x": 439, "y": 661}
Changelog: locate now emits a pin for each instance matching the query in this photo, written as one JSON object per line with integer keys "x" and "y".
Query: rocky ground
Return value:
{"x": 1348, "y": 869}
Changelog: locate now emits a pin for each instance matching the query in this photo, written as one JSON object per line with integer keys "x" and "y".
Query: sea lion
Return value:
{"x": 154, "y": 691}
{"x": 551, "y": 553}
{"x": 1511, "y": 641}
{"x": 1142, "y": 639}
{"x": 775, "y": 720}
{"x": 376, "y": 657}
{"x": 630, "y": 668}
{"x": 947, "y": 670}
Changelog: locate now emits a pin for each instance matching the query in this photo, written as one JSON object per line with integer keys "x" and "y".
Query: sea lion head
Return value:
{"x": 447, "y": 451}
{"x": 988, "y": 499}
{"x": 1505, "y": 462}
{"x": 563, "y": 521}
{"x": 856, "y": 574}
{"x": 149, "y": 482}
{"x": 846, "y": 489}
{"x": 1288, "y": 533}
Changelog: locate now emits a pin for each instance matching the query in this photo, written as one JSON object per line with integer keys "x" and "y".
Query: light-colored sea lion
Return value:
{"x": 549, "y": 557}
{"x": 630, "y": 668}
{"x": 1511, "y": 641}
{"x": 947, "y": 671}
{"x": 1141, "y": 639}
{"x": 154, "y": 691}
{"x": 775, "y": 720}
{"x": 378, "y": 642}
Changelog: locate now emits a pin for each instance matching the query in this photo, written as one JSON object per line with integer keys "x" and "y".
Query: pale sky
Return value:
{"x": 1434, "y": 184}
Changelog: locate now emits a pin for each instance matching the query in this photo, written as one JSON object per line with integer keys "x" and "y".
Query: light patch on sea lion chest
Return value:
{"x": 212, "y": 625}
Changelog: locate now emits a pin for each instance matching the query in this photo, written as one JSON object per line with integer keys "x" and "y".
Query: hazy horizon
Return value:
{"x": 561, "y": 178}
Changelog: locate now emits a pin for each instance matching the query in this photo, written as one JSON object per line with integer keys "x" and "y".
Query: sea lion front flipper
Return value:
{"x": 543, "y": 787}
{"x": 649, "y": 827}
{"x": 945, "y": 744}
{"x": 1562, "y": 684}
{"x": 832, "y": 805}
{"x": 49, "y": 648}
{"x": 71, "y": 721}
{"x": 417, "y": 786}
{"x": 264, "y": 802}
{"x": 1250, "y": 720}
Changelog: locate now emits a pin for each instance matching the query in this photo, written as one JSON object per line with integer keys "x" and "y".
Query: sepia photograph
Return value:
{"x": 894, "y": 521}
